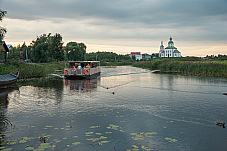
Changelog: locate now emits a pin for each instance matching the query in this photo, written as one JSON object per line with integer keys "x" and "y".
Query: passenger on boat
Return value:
{"x": 79, "y": 67}
{"x": 88, "y": 66}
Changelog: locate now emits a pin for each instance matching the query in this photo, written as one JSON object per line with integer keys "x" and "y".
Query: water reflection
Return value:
{"x": 149, "y": 111}
{"x": 4, "y": 121}
{"x": 82, "y": 85}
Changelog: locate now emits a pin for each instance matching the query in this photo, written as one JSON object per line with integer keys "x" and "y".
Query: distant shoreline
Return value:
{"x": 199, "y": 68}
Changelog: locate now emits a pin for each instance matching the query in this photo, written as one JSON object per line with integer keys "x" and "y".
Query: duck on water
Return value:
{"x": 220, "y": 124}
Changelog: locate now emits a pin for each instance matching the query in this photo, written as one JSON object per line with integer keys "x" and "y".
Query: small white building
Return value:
{"x": 169, "y": 51}
{"x": 137, "y": 55}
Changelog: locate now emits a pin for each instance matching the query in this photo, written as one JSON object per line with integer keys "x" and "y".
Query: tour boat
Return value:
{"x": 8, "y": 79}
{"x": 82, "y": 69}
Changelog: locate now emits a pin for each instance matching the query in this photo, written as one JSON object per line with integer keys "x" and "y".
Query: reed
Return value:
{"x": 203, "y": 68}
{"x": 31, "y": 70}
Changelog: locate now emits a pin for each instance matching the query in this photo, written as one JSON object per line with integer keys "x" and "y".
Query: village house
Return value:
{"x": 3, "y": 52}
{"x": 137, "y": 55}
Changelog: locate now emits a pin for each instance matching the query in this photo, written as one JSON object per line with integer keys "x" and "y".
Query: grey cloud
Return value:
{"x": 131, "y": 17}
{"x": 145, "y": 11}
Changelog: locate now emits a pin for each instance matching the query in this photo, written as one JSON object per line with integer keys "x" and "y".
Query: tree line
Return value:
{"x": 49, "y": 48}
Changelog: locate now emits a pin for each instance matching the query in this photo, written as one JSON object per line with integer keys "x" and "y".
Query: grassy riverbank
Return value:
{"x": 115, "y": 63}
{"x": 31, "y": 70}
{"x": 182, "y": 65}
{"x": 36, "y": 70}
{"x": 202, "y": 68}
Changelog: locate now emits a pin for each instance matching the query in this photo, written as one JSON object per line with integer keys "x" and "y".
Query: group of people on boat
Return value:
{"x": 80, "y": 66}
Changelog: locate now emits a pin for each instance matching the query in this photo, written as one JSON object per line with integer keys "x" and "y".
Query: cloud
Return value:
{"x": 127, "y": 21}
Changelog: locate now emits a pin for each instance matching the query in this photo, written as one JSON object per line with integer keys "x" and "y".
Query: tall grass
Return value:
{"x": 204, "y": 68}
{"x": 30, "y": 70}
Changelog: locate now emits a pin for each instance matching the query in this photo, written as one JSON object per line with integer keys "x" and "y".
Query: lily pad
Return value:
{"x": 135, "y": 146}
{"x": 48, "y": 126}
{"x": 76, "y": 143}
{"x": 7, "y": 149}
{"x": 103, "y": 137}
{"x": 22, "y": 141}
{"x": 105, "y": 142}
{"x": 26, "y": 138}
{"x": 133, "y": 134}
{"x": 38, "y": 149}
{"x": 44, "y": 146}
{"x": 29, "y": 148}
{"x": 89, "y": 133}
{"x": 170, "y": 140}
{"x": 75, "y": 136}
{"x": 98, "y": 133}
{"x": 94, "y": 126}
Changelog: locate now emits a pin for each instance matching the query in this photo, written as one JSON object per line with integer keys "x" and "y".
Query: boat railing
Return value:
{"x": 89, "y": 71}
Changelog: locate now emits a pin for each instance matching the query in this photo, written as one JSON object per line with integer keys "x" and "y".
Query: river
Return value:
{"x": 126, "y": 108}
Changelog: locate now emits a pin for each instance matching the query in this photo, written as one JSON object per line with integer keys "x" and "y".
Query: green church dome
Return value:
{"x": 170, "y": 41}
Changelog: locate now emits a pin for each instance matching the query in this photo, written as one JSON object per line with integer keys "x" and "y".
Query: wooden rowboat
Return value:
{"x": 8, "y": 79}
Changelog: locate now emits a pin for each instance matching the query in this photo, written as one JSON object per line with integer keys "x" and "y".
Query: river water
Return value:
{"x": 126, "y": 108}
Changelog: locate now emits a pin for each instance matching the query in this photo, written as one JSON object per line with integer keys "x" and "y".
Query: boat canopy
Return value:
{"x": 72, "y": 64}
{"x": 83, "y": 62}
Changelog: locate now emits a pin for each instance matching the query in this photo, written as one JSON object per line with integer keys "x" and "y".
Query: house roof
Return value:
{"x": 176, "y": 51}
{"x": 170, "y": 48}
{"x": 135, "y": 53}
{"x": 4, "y": 46}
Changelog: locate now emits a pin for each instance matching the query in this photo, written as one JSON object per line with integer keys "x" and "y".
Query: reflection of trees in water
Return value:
{"x": 4, "y": 122}
{"x": 46, "y": 83}
{"x": 82, "y": 85}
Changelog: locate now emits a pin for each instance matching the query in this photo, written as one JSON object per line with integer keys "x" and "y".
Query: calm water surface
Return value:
{"x": 126, "y": 108}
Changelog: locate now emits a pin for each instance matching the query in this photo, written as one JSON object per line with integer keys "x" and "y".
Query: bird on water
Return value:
{"x": 221, "y": 124}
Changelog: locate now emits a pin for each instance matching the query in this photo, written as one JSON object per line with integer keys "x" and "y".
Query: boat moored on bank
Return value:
{"x": 8, "y": 79}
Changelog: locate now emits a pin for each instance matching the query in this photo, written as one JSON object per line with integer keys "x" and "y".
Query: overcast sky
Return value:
{"x": 198, "y": 27}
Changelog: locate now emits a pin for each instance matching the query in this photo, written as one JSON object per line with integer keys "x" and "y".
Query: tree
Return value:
{"x": 107, "y": 57}
{"x": 14, "y": 53}
{"x": 55, "y": 46}
{"x": 40, "y": 50}
{"x": 2, "y": 30}
{"x": 75, "y": 51}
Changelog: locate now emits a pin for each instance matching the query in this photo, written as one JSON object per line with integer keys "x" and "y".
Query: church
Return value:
{"x": 169, "y": 51}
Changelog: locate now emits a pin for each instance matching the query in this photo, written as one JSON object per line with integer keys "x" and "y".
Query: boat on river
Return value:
{"x": 82, "y": 69}
{"x": 8, "y": 79}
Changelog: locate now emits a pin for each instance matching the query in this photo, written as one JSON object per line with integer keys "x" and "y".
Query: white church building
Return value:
{"x": 169, "y": 51}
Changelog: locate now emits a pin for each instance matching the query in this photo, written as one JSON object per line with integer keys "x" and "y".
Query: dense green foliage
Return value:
{"x": 204, "y": 68}
{"x": 2, "y": 30}
{"x": 75, "y": 51}
{"x": 48, "y": 48}
{"x": 108, "y": 57}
